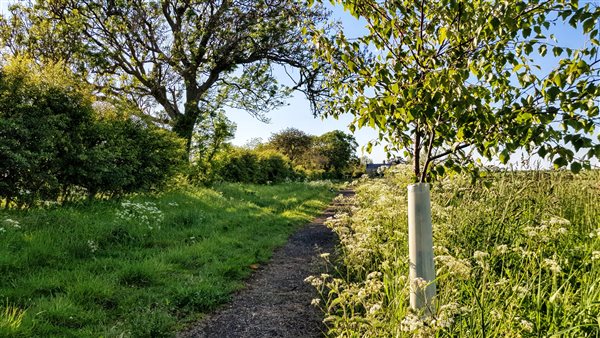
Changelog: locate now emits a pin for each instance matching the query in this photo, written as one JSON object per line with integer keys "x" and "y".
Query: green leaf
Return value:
{"x": 504, "y": 156}
{"x": 557, "y": 51}
{"x": 588, "y": 25}
{"x": 560, "y": 162}
{"x": 442, "y": 34}
{"x": 558, "y": 79}
{"x": 517, "y": 67}
{"x": 542, "y": 152}
{"x": 576, "y": 167}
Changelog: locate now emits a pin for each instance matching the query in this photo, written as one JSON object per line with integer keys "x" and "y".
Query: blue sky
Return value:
{"x": 296, "y": 113}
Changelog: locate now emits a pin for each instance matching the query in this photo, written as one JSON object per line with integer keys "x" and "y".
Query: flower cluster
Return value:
{"x": 501, "y": 249}
{"x": 146, "y": 214}
{"x": 10, "y": 224}
{"x": 93, "y": 245}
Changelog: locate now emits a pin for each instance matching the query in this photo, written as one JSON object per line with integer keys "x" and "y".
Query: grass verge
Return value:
{"x": 517, "y": 255}
{"x": 142, "y": 267}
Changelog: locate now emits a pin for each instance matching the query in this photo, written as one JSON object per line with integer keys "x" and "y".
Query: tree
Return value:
{"x": 452, "y": 81}
{"x": 291, "y": 142}
{"x": 210, "y": 136}
{"x": 338, "y": 149}
{"x": 188, "y": 57}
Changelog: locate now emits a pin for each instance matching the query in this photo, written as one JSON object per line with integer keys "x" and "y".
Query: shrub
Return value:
{"x": 42, "y": 125}
{"x": 250, "y": 166}
{"x": 124, "y": 156}
{"x": 51, "y": 144}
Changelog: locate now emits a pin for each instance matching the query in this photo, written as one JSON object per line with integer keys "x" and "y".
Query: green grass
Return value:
{"x": 143, "y": 269}
{"x": 517, "y": 255}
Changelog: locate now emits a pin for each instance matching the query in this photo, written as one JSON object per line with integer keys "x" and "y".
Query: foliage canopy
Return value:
{"x": 180, "y": 60}
{"x": 452, "y": 81}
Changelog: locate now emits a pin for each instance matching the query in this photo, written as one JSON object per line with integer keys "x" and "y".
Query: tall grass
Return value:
{"x": 517, "y": 255}
{"x": 11, "y": 318}
{"x": 142, "y": 267}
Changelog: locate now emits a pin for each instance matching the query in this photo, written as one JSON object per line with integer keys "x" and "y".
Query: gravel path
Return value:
{"x": 276, "y": 301}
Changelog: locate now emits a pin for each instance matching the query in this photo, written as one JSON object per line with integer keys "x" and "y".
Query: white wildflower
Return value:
{"x": 314, "y": 281}
{"x": 144, "y": 213}
{"x": 480, "y": 258}
{"x": 558, "y": 221}
{"x": 2, "y": 230}
{"x": 315, "y": 302}
{"x": 92, "y": 245}
{"x": 459, "y": 268}
{"x": 501, "y": 282}
{"x": 552, "y": 265}
{"x": 526, "y": 325}
{"x": 375, "y": 308}
{"x": 411, "y": 323}
{"x": 502, "y": 249}
{"x": 595, "y": 255}
{"x": 13, "y": 223}
{"x": 521, "y": 291}
{"x": 420, "y": 283}
{"x": 495, "y": 314}
{"x": 555, "y": 296}
{"x": 325, "y": 255}
{"x": 373, "y": 275}
{"x": 480, "y": 255}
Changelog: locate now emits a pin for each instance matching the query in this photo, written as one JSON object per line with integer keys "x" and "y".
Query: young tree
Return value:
{"x": 210, "y": 136}
{"x": 446, "y": 80}
{"x": 188, "y": 57}
{"x": 452, "y": 81}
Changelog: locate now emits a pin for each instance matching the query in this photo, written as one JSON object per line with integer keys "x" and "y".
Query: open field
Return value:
{"x": 142, "y": 267}
{"x": 517, "y": 255}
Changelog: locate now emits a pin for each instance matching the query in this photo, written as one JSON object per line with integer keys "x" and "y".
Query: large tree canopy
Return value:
{"x": 292, "y": 142}
{"x": 453, "y": 81}
{"x": 185, "y": 57}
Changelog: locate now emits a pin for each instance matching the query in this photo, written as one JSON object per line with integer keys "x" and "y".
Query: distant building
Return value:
{"x": 377, "y": 168}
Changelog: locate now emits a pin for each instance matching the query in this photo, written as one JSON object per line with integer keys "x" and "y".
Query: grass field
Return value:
{"x": 142, "y": 267}
{"x": 517, "y": 255}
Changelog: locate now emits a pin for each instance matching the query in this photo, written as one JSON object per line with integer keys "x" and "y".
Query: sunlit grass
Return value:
{"x": 517, "y": 254}
{"x": 11, "y": 318}
{"x": 142, "y": 267}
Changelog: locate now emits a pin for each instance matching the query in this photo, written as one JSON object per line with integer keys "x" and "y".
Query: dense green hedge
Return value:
{"x": 52, "y": 142}
{"x": 242, "y": 165}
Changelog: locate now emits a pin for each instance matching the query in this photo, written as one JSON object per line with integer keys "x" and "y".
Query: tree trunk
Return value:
{"x": 184, "y": 124}
{"x": 184, "y": 127}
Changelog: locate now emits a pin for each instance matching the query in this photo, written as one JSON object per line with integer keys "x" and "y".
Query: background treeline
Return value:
{"x": 56, "y": 142}
{"x": 290, "y": 154}
{"x": 61, "y": 141}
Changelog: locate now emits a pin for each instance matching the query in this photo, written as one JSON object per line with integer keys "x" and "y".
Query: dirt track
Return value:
{"x": 276, "y": 301}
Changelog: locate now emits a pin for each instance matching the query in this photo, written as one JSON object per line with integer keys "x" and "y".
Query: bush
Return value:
{"x": 41, "y": 130}
{"x": 274, "y": 167}
{"x": 249, "y": 166}
{"x": 52, "y": 143}
{"x": 124, "y": 156}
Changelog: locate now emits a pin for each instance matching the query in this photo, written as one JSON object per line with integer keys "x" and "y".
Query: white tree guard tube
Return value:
{"x": 420, "y": 247}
